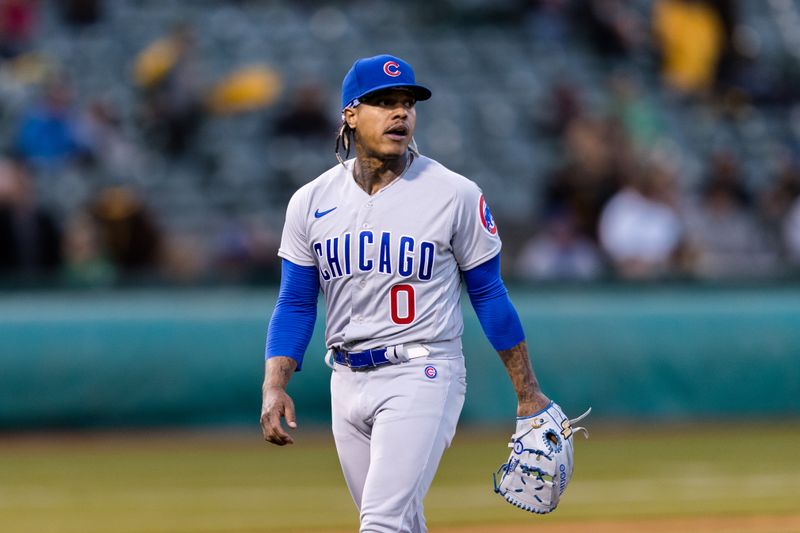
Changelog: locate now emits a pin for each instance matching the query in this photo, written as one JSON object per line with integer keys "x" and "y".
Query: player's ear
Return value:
{"x": 350, "y": 117}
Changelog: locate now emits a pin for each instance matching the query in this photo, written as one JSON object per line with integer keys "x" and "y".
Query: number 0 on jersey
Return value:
{"x": 403, "y": 305}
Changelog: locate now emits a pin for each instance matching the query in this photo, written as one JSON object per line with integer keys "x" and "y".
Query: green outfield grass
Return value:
{"x": 180, "y": 483}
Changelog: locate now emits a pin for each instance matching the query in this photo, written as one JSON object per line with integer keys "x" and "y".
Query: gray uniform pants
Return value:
{"x": 391, "y": 425}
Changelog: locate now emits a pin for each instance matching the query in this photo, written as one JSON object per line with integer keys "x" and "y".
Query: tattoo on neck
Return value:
{"x": 372, "y": 174}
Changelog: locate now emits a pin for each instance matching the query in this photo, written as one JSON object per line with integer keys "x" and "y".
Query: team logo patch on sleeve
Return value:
{"x": 430, "y": 372}
{"x": 486, "y": 217}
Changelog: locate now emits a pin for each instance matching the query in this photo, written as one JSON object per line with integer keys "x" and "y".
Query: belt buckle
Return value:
{"x": 380, "y": 352}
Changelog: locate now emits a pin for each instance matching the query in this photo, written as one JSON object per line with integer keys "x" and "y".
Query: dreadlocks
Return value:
{"x": 343, "y": 139}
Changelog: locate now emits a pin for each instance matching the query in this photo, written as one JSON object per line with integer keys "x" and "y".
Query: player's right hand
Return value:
{"x": 277, "y": 403}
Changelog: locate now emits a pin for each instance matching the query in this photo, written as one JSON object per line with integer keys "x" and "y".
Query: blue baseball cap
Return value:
{"x": 372, "y": 74}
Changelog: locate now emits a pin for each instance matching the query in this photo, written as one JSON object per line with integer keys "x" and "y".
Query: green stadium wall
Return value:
{"x": 135, "y": 358}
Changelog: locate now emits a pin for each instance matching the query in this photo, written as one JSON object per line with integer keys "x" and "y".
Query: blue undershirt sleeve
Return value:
{"x": 292, "y": 322}
{"x": 489, "y": 298}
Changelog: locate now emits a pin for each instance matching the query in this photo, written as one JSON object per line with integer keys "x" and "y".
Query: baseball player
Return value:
{"x": 388, "y": 237}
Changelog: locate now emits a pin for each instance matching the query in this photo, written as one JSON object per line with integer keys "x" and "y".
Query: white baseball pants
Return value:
{"x": 391, "y": 425}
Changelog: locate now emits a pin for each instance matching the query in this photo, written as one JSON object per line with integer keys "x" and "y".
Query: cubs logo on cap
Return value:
{"x": 391, "y": 68}
{"x": 372, "y": 74}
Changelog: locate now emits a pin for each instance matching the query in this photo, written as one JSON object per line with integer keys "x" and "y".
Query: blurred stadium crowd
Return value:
{"x": 159, "y": 140}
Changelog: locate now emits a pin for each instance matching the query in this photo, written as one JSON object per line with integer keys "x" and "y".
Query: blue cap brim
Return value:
{"x": 420, "y": 92}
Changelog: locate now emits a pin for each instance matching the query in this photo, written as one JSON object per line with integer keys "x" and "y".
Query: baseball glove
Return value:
{"x": 540, "y": 465}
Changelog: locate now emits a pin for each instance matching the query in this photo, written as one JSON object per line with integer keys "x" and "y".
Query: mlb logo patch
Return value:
{"x": 487, "y": 220}
{"x": 431, "y": 372}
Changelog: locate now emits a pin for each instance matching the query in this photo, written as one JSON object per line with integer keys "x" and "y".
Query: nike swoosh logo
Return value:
{"x": 320, "y": 214}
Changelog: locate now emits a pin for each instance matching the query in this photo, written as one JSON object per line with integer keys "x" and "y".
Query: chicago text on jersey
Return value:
{"x": 367, "y": 251}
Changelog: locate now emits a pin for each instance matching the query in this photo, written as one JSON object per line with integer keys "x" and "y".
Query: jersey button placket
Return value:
{"x": 359, "y": 299}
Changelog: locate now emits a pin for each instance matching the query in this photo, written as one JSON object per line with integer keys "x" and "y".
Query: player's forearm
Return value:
{"x": 278, "y": 371}
{"x": 530, "y": 398}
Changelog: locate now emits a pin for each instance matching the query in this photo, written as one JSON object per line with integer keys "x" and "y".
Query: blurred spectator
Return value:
{"x": 640, "y": 228}
{"x": 185, "y": 258}
{"x": 590, "y": 176}
{"x": 728, "y": 240}
{"x": 248, "y": 88}
{"x": 128, "y": 232}
{"x": 779, "y": 198}
{"x": 246, "y": 251}
{"x": 791, "y": 234}
{"x": 30, "y": 245}
{"x": 559, "y": 252}
{"x": 745, "y": 77}
{"x": 18, "y": 20}
{"x": 112, "y": 150}
{"x": 614, "y": 29}
{"x": 564, "y": 105}
{"x": 49, "y": 133}
{"x": 306, "y": 115}
{"x": 233, "y": 251}
{"x": 725, "y": 173}
{"x": 637, "y": 114}
{"x": 169, "y": 75}
{"x": 690, "y": 37}
{"x": 549, "y": 21}
{"x": 81, "y": 12}
{"x": 734, "y": 49}
{"x": 86, "y": 264}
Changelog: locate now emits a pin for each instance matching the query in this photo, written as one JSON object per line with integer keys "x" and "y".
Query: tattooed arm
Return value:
{"x": 276, "y": 402}
{"x": 503, "y": 328}
{"x": 530, "y": 398}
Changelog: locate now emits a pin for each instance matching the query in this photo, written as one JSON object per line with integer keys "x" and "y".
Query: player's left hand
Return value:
{"x": 540, "y": 465}
{"x": 277, "y": 403}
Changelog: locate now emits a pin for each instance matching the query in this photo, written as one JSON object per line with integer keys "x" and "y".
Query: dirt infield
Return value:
{"x": 749, "y": 524}
{"x": 701, "y": 524}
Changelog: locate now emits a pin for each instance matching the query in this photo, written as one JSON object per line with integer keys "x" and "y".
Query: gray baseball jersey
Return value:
{"x": 389, "y": 262}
